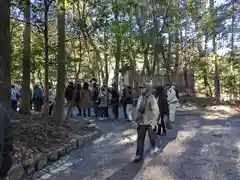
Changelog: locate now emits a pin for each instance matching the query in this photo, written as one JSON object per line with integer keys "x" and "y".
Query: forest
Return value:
{"x": 47, "y": 41}
{"x": 60, "y": 41}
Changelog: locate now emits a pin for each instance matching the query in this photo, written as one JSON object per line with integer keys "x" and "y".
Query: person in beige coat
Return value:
{"x": 85, "y": 102}
{"x": 147, "y": 113}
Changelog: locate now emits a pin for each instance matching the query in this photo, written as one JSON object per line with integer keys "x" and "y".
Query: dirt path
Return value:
{"x": 205, "y": 147}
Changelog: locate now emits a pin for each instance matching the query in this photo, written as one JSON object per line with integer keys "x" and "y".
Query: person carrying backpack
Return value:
{"x": 172, "y": 102}
{"x": 6, "y": 143}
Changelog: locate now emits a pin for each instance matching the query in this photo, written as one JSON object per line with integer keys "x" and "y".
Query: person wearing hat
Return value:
{"x": 147, "y": 113}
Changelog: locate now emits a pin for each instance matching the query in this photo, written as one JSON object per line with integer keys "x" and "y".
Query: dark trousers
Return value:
{"x": 115, "y": 111}
{"x": 38, "y": 105}
{"x": 50, "y": 110}
{"x": 162, "y": 126}
{"x": 96, "y": 110}
{"x": 125, "y": 111}
{"x": 79, "y": 109}
{"x": 141, "y": 131}
{"x": 87, "y": 112}
{"x": 14, "y": 105}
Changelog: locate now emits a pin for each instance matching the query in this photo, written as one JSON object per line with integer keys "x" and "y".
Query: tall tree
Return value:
{"x": 5, "y": 52}
{"x": 58, "y": 114}
{"x": 26, "y": 91}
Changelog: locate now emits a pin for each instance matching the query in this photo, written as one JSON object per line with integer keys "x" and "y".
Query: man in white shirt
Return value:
{"x": 172, "y": 102}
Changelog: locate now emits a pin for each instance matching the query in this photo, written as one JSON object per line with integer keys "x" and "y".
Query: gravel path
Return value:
{"x": 205, "y": 147}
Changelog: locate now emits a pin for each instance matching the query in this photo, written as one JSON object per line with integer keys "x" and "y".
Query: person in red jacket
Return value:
{"x": 6, "y": 142}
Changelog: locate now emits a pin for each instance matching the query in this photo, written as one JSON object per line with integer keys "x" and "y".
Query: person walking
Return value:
{"x": 103, "y": 103}
{"x": 163, "y": 108}
{"x": 14, "y": 98}
{"x": 85, "y": 100}
{"x": 129, "y": 102}
{"x": 95, "y": 94}
{"x": 115, "y": 102}
{"x": 38, "y": 98}
{"x": 172, "y": 102}
{"x": 124, "y": 103}
{"x": 77, "y": 98}
{"x": 147, "y": 113}
{"x": 6, "y": 143}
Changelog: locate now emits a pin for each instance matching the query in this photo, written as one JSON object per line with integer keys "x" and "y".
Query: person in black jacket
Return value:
{"x": 77, "y": 98}
{"x": 163, "y": 108}
{"x": 6, "y": 143}
{"x": 69, "y": 92}
{"x": 115, "y": 101}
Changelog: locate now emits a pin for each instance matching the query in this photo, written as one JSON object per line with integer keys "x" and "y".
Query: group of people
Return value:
{"x": 100, "y": 98}
{"x": 36, "y": 98}
{"x": 150, "y": 112}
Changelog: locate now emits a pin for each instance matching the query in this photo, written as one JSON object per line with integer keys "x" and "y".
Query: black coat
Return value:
{"x": 6, "y": 142}
{"x": 163, "y": 105}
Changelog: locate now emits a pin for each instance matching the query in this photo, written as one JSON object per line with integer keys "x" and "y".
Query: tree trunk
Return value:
{"x": 5, "y": 53}
{"x": 117, "y": 50}
{"x": 26, "y": 92}
{"x": 217, "y": 76}
{"x": 58, "y": 114}
{"x": 46, "y": 63}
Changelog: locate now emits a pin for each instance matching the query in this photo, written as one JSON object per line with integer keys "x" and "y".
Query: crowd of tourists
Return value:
{"x": 153, "y": 106}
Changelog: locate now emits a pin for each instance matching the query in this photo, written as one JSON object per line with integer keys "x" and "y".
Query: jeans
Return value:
{"x": 172, "y": 111}
{"x": 86, "y": 112}
{"x": 96, "y": 110}
{"x": 115, "y": 111}
{"x": 141, "y": 131}
{"x": 129, "y": 111}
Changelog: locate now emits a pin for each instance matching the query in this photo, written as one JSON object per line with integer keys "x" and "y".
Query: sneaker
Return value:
{"x": 155, "y": 151}
{"x": 137, "y": 159}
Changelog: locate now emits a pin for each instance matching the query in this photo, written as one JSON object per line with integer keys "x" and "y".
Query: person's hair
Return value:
{"x": 159, "y": 91}
{"x": 85, "y": 86}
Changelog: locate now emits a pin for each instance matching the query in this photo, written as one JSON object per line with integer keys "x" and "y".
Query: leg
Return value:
{"x": 129, "y": 111}
{"x": 96, "y": 110}
{"x": 163, "y": 124}
{"x": 172, "y": 111}
{"x": 89, "y": 112}
{"x": 125, "y": 110}
{"x": 115, "y": 111}
{"x": 106, "y": 112}
{"x": 141, "y": 131}
{"x": 84, "y": 113}
{"x": 50, "y": 110}
{"x": 152, "y": 132}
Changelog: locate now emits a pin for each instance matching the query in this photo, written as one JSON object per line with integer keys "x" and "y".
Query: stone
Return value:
{"x": 61, "y": 151}
{"x": 41, "y": 161}
{"x": 29, "y": 166}
{"x": 16, "y": 173}
{"x": 53, "y": 156}
{"x": 74, "y": 143}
